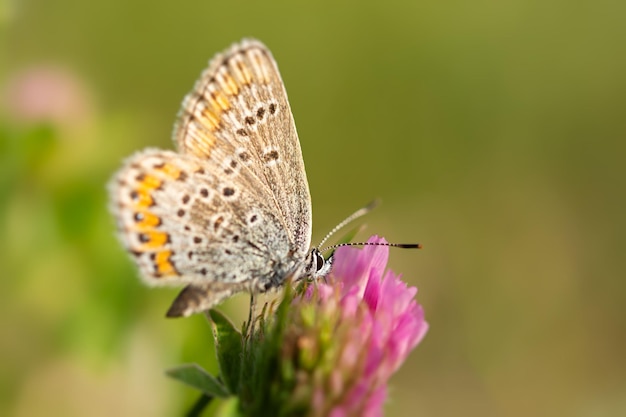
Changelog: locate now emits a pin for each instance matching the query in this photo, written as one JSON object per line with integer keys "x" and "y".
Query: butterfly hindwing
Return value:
{"x": 220, "y": 230}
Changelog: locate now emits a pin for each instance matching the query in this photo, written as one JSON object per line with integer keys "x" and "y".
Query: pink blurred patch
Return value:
{"x": 47, "y": 94}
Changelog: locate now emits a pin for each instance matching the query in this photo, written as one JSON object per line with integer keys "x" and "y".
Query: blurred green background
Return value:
{"x": 493, "y": 131}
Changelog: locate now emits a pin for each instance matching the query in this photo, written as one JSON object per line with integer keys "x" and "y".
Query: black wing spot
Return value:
{"x": 260, "y": 113}
{"x": 228, "y": 191}
{"x": 270, "y": 156}
{"x": 218, "y": 222}
{"x": 244, "y": 156}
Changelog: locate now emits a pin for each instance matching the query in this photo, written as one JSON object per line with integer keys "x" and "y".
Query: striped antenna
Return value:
{"x": 359, "y": 213}
{"x": 394, "y": 245}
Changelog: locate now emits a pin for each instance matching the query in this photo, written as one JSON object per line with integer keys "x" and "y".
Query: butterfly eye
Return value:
{"x": 319, "y": 259}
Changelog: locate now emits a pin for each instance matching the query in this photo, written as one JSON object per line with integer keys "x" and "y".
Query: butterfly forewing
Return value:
{"x": 238, "y": 111}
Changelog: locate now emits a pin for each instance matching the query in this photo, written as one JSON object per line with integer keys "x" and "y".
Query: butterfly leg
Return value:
{"x": 251, "y": 315}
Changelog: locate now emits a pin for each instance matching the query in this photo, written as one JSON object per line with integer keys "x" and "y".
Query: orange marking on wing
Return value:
{"x": 245, "y": 73}
{"x": 145, "y": 184}
{"x": 230, "y": 86}
{"x": 210, "y": 119}
{"x": 149, "y": 221}
{"x": 200, "y": 143}
{"x": 171, "y": 171}
{"x": 207, "y": 142}
{"x": 219, "y": 102}
{"x": 152, "y": 239}
{"x": 163, "y": 263}
{"x": 142, "y": 198}
{"x": 149, "y": 181}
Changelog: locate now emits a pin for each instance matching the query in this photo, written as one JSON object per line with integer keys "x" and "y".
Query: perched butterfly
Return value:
{"x": 230, "y": 211}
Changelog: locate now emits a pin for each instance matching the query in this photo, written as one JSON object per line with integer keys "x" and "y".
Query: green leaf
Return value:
{"x": 229, "y": 348}
{"x": 196, "y": 377}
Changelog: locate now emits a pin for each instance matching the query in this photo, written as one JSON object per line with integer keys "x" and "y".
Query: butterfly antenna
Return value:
{"x": 393, "y": 245}
{"x": 359, "y": 213}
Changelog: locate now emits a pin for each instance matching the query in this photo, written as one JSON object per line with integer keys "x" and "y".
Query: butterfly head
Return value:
{"x": 316, "y": 265}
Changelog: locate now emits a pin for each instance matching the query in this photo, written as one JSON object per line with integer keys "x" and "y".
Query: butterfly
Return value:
{"x": 230, "y": 210}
